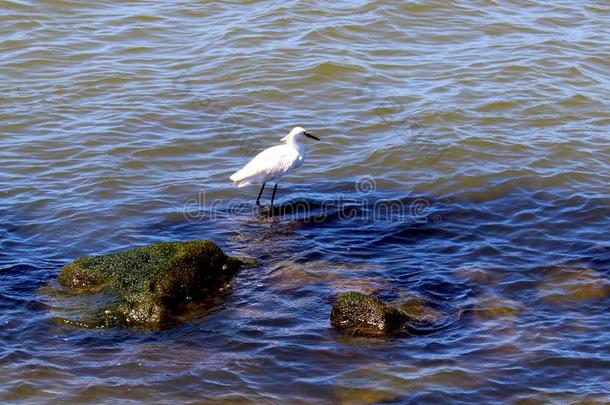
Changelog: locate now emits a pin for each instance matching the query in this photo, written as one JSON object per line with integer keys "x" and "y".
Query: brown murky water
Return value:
{"x": 487, "y": 122}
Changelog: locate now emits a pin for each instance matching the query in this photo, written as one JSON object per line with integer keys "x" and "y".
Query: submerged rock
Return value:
{"x": 420, "y": 312}
{"x": 151, "y": 286}
{"x": 567, "y": 283}
{"x": 369, "y": 316}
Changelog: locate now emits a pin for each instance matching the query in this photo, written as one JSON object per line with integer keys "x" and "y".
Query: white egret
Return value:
{"x": 274, "y": 163}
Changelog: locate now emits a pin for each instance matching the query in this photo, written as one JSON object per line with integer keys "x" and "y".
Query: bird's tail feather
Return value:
{"x": 238, "y": 180}
{"x": 237, "y": 176}
{"x": 241, "y": 183}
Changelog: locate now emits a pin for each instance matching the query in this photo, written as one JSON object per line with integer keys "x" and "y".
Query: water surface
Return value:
{"x": 488, "y": 122}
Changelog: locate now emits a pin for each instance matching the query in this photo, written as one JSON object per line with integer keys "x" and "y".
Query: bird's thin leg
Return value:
{"x": 258, "y": 199}
{"x": 273, "y": 195}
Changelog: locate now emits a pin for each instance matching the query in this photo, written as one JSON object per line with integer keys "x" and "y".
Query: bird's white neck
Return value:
{"x": 290, "y": 138}
{"x": 292, "y": 141}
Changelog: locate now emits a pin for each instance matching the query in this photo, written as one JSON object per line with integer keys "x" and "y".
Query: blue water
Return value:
{"x": 484, "y": 126}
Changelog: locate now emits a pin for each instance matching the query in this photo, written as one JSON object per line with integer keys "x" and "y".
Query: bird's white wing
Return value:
{"x": 268, "y": 165}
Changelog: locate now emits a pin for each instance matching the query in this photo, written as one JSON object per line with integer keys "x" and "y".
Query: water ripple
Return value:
{"x": 486, "y": 126}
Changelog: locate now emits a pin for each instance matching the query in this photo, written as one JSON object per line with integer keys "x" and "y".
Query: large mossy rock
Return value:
{"x": 366, "y": 315}
{"x": 151, "y": 286}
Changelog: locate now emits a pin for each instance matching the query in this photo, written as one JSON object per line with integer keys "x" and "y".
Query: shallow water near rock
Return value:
{"x": 464, "y": 159}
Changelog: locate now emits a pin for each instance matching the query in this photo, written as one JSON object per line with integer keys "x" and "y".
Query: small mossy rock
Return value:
{"x": 153, "y": 284}
{"x": 366, "y": 315}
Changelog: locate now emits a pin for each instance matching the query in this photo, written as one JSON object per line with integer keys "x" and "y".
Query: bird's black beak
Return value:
{"x": 307, "y": 134}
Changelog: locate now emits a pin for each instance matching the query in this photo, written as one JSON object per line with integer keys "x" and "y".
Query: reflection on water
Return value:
{"x": 467, "y": 166}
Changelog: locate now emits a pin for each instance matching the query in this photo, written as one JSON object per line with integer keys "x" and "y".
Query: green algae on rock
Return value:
{"x": 153, "y": 286}
{"x": 366, "y": 315}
